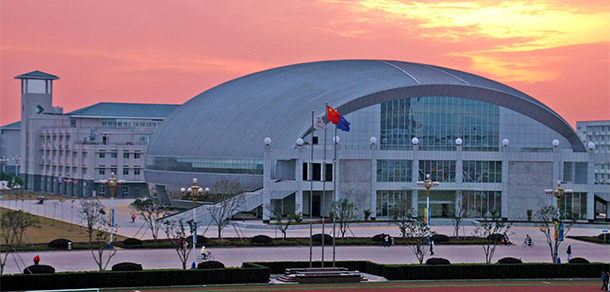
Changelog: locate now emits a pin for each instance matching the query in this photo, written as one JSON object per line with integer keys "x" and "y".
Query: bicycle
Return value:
{"x": 205, "y": 257}
{"x": 531, "y": 244}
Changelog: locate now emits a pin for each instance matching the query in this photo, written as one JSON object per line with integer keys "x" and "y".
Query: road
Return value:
{"x": 167, "y": 258}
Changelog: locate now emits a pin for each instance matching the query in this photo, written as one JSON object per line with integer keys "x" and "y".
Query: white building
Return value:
{"x": 72, "y": 153}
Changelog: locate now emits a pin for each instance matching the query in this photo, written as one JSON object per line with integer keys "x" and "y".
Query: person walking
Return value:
{"x": 569, "y": 252}
{"x": 604, "y": 281}
{"x": 133, "y": 218}
{"x": 431, "y": 247}
{"x": 386, "y": 240}
{"x": 36, "y": 259}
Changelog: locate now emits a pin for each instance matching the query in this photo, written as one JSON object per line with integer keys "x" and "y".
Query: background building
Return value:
{"x": 71, "y": 153}
{"x": 598, "y": 132}
{"x": 490, "y": 146}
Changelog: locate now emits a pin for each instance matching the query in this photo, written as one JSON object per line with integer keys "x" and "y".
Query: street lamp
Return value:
{"x": 558, "y": 192}
{"x": 4, "y": 161}
{"x": 17, "y": 159}
{"x": 428, "y": 184}
{"x": 194, "y": 191}
{"x": 112, "y": 183}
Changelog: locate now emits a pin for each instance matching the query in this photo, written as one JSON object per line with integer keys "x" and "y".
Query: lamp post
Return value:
{"x": 558, "y": 192}
{"x": 4, "y": 161}
{"x": 428, "y": 184}
{"x": 17, "y": 159}
{"x": 194, "y": 191}
{"x": 112, "y": 183}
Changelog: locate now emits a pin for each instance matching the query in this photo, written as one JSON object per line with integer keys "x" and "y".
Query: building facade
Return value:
{"x": 73, "y": 153}
{"x": 490, "y": 147}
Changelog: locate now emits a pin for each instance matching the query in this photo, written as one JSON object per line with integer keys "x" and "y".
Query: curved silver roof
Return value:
{"x": 231, "y": 119}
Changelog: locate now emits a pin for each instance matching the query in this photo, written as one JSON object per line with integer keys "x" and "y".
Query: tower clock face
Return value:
{"x": 39, "y": 109}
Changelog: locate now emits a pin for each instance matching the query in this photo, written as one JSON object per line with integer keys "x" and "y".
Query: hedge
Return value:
{"x": 108, "y": 279}
{"x": 455, "y": 271}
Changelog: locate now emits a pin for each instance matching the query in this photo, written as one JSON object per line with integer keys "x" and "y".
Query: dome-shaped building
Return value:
{"x": 510, "y": 147}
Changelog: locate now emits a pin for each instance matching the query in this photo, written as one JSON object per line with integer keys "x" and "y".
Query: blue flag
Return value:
{"x": 343, "y": 124}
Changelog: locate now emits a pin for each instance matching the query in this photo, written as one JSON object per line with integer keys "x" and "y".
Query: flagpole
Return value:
{"x": 310, "y": 172}
{"x": 334, "y": 193}
{"x": 323, "y": 171}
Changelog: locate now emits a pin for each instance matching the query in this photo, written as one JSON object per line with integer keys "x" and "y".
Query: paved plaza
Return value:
{"x": 231, "y": 256}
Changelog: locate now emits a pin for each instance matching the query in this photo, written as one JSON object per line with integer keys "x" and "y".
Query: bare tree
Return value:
{"x": 492, "y": 231}
{"x": 345, "y": 213}
{"x": 401, "y": 215}
{"x": 283, "y": 220}
{"x": 13, "y": 225}
{"x": 176, "y": 233}
{"x": 457, "y": 222}
{"x": 151, "y": 210}
{"x": 549, "y": 224}
{"x": 227, "y": 203}
{"x": 91, "y": 213}
{"x": 419, "y": 233}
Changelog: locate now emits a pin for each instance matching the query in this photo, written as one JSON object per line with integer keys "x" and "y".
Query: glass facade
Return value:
{"x": 208, "y": 165}
{"x": 394, "y": 170}
{"x": 575, "y": 204}
{"x": 438, "y": 121}
{"x": 477, "y": 204}
{"x": 439, "y": 170}
{"x": 386, "y": 200}
{"x": 442, "y": 203}
{"x": 482, "y": 171}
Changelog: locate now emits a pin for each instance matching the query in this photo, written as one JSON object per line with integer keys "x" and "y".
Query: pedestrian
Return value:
{"x": 180, "y": 243}
{"x": 607, "y": 281}
{"x": 604, "y": 281}
{"x": 431, "y": 247}
{"x": 382, "y": 239}
{"x": 133, "y": 218}
{"x": 569, "y": 252}
{"x": 36, "y": 259}
{"x": 387, "y": 240}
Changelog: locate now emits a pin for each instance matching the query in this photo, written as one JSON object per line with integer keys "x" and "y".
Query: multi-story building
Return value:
{"x": 73, "y": 153}
{"x": 597, "y": 132}
{"x": 9, "y": 150}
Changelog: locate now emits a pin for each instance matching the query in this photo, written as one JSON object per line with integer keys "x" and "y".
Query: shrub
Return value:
{"x": 210, "y": 265}
{"x": 437, "y": 261}
{"x": 318, "y": 238}
{"x": 132, "y": 241}
{"x": 578, "y": 261}
{"x": 127, "y": 267}
{"x": 39, "y": 269}
{"x": 509, "y": 260}
{"x": 495, "y": 237}
{"x": 262, "y": 239}
{"x": 61, "y": 243}
{"x": 604, "y": 236}
{"x": 200, "y": 239}
{"x": 440, "y": 238}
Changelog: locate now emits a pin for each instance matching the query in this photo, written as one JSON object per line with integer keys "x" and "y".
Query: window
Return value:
{"x": 439, "y": 170}
{"x": 136, "y": 171}
{"x": 102, "y": 190}
{"x": 113, "y": 154}
{"x": 102, "y": 154}
{"x": 136, "y": 155}
{"x": 386, "y": 200}
{"x": 125, "y": 155}
{"x": 125, "y": 191}
{"x": 84, "y": 154}
{"x": 482, "y": 171}
{"x": 394, "y": 170}
{"x": 125, "y": 170}
{"x": 102, "y": 170}
{"x": 105, "y": 140}
{"x": 113, "y": 169}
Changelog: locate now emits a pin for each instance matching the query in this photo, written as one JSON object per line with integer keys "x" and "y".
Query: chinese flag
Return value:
{"x": 333, "y": 115}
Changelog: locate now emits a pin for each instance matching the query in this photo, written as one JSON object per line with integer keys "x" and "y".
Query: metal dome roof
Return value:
{"x": 232, "y": 119}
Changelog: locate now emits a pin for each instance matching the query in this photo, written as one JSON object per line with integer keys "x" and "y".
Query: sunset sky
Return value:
{"x": 557, "y": 51}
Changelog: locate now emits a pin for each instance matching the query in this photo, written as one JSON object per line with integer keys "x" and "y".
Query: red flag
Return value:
{"x": 332, "y": 115}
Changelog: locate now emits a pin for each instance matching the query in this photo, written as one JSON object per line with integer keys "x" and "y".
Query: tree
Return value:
{"x": 457, "y": 222}
{"x": 93, "y": 216}
{"x": 13, "y": 225}
{"x": 492, "y": 231}
{"x": 151, "y": 210}
{"x": 91, "y": 213}
{"x": 227, "y": 203}
{"x": 401, "y": 215}
{"x": 419, "y": 232}
{"x": 282, "y": 220}
{"x": 548, "y": 223}
{"x": 345, "y": 213}
{"x": 176, "y": 233}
